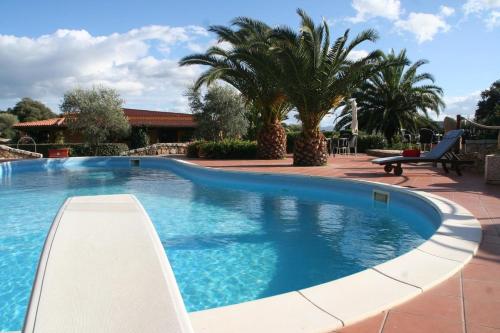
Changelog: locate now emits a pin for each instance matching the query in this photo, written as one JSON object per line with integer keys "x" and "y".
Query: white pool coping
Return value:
{"x": 333, "y": 305}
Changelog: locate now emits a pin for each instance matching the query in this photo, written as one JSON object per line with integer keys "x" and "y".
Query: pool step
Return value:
{"x": 103, "y": 269}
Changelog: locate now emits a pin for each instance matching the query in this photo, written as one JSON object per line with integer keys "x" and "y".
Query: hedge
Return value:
{"x": 225, "y": 149}
{"x": 78, "y": 149}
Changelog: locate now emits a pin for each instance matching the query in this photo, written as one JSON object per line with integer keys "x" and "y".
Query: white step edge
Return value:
{"x": 104, "y": 269}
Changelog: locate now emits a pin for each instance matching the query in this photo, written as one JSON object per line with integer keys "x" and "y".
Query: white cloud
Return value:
{"x": 493, "y": 20}
{"x": 133, "y": 62}
{"x": 357, "y": 54}
{"x": 477, "y": 6}
{"x": 463, "y": 105}
{"x": 366, "y": 9}
{"x": 424, "y": 26}
{"x": 446, "y": 11}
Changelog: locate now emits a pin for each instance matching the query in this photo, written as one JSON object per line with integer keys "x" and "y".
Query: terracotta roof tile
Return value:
{"x": 42, "y": 123}
{"x": 135, "y": 117}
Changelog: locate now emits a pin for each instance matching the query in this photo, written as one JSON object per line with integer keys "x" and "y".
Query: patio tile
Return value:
{"x": 488, "y": 252}
{"x": 450, "y": 287}
{"x": 399, "y": 322}
{"x": 480, "y": 271}
{"x": 484, "y": 291}
{"x": 482, "y": 312}
{"x": 491, "y": 239}
{"x": 370, "y": 325}
{"x": 473, "y": 328}
{"x": 430, "y": 304}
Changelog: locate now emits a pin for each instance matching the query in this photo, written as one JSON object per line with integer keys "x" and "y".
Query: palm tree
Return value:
{"x": 319, "y": 77}
{"x": 248, "y": 65}
{"x": 396, "y": 98}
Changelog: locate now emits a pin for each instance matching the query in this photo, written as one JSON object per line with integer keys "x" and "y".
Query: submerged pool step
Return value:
{"x": 103, "y": 269}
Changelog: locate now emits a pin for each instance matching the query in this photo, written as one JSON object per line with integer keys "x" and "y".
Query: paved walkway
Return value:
{"x": 469, "y": 301}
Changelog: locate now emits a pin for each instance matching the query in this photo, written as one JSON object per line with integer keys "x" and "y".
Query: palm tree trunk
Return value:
{"x": 271, "y": 142}
{"x": 310, "y": 150}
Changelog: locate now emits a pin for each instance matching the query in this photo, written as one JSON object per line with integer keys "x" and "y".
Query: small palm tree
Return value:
{"x": 248, "y": 65}
{"x": 319, "y": 77}
{"x": 395, "y": 98}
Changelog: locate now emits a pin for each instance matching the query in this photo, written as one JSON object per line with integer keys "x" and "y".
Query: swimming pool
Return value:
{"x": 230, "y": 237}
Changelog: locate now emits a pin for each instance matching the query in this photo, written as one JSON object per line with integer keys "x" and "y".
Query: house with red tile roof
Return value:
{"x": 161, "y": 126}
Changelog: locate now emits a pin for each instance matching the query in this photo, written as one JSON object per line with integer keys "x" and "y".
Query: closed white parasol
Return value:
{"x": 354, "y": 110}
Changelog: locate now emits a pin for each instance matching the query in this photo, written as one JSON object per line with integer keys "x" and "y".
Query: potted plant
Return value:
{"x": 411, "y": 151}
{"x": 60, "y": 151}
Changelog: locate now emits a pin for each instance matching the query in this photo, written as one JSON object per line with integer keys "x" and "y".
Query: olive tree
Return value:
{"x": 96, "y": 114}
{"x": 221, "y": 113}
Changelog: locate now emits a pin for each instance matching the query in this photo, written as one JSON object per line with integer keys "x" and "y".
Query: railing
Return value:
{"x": 486, "y": 127}
{"x": 26, "y": 138}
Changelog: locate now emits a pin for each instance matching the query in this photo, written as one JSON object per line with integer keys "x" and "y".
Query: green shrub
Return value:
{"x": 370, "y": 141}
{"x": 290, "y": 141}
{"x": 226, "y": 149}
{"x": 193, "y": 149}
{"x": 78, "y": 149}
{"x": 139, "y": 138}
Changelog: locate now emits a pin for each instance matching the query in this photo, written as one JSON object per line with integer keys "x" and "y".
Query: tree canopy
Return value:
{"x": 488, "y": 108}
{"x": 396, "y": 97}
{"x": 28, "y": 109}
{"x": 6, "y": 122}
{"x": 96, "y": 114}
{"x": 220, "y": 113}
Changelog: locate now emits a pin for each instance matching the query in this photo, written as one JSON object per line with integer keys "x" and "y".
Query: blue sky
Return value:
{"x": 48, "y": 47}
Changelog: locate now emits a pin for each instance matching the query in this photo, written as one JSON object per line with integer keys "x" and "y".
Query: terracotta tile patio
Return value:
{"x": 469, "y": 301}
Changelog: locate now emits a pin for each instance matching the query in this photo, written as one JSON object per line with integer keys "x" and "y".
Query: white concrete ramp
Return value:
{"x": 103, "y": 269}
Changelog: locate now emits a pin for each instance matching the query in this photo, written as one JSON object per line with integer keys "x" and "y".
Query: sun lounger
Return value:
{"x": 103, "y": 269}
{"x": 441, "y": 153}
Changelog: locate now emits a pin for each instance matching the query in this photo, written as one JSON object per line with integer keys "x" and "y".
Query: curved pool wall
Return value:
{"x": 306, "y": 185}
{"x": 330, "y": 305}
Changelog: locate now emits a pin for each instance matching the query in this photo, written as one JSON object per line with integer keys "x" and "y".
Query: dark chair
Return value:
{"x": 441, "y": 153}
{"x": 427, "y": 138}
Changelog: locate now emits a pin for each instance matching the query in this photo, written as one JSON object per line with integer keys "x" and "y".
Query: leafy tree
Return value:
{"x": 30, "y": 110}
{"x": 488, "y": 108}
{"x": 220, "y": 114}
{"x": 250, "y": 66}
{"x": 396, "y": 98}
{"x": 317, "y": 77}
{"x": 139, "y": 138}
{"x": 96, "y": 114}
{"x": 6, "y": 122}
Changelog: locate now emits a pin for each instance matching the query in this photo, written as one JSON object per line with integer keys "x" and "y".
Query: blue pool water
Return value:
{"x": 228, "y": 241}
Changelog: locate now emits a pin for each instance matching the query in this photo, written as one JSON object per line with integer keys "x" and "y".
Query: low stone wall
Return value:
{"x": 159, "y": 149}
{"x": 484, "y": 147}
{"x": 13, "y": 153}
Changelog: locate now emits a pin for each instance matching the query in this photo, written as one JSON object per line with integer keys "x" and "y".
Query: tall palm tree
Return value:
{"x": 249, "y": 66}
{"x": 319, "y": 77}
{"x": 397, "y": 97}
